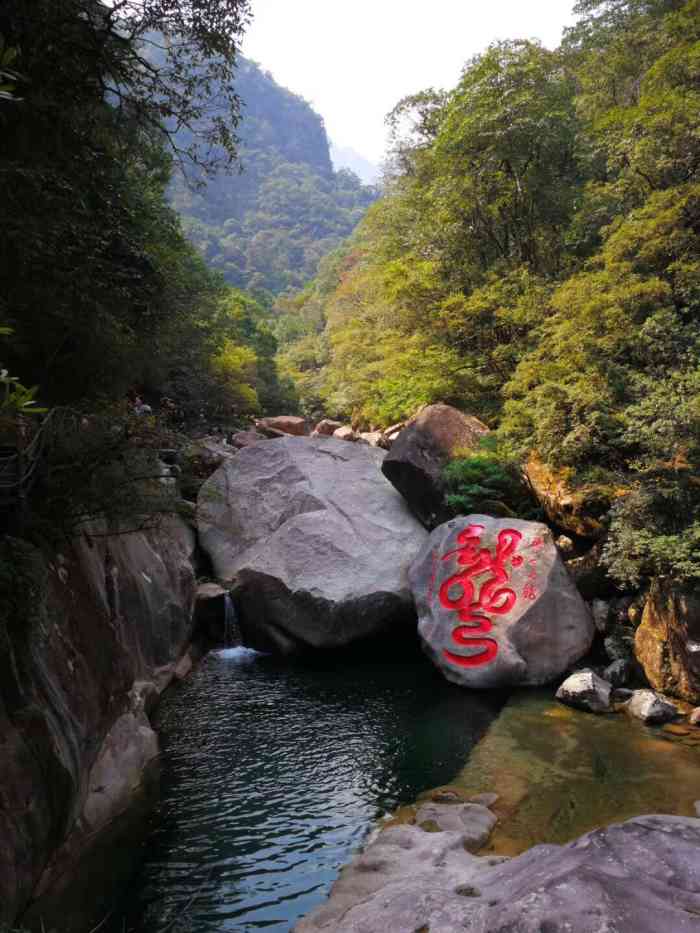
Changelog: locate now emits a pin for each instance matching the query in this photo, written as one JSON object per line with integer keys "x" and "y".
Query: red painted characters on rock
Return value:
{"x": 494, "y": 596}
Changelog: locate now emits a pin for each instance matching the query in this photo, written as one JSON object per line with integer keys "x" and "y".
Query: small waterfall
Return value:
{"x": 231, "y": 632}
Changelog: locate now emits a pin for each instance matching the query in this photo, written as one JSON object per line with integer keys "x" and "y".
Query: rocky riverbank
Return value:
{"x": 528, "y": 836}
{"x": 319, "y": 552}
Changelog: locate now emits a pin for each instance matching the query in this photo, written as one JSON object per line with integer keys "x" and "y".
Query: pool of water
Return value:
{"x": 560, "y": 772}
{"x": 274, "y": 774}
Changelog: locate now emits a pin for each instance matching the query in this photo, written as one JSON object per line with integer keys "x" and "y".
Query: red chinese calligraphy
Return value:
{"x": 493, "y": 598}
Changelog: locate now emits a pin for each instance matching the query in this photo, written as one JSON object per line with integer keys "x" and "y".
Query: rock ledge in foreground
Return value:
{"x": 641, "y": 876}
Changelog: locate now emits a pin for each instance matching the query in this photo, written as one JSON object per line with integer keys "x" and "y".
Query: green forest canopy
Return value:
{"x": 535, "y": 260}
{"x": 100, "y": 287}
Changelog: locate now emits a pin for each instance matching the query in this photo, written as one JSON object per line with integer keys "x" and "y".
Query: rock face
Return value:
{"x": 495, "y": 604}
{"x": 74, "y": 741}
{"x": 585, "y": 690}
{"x": 282, "y": 424}
{"x": 667, "y": 643}
{"x": 419, "y": 453}
{"x": 575, "y": 510}
{"x": 642, "y": 876}
{"x": 318, "y": 543}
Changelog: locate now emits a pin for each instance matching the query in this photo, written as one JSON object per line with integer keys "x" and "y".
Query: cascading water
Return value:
{"x": 231, "y": 632}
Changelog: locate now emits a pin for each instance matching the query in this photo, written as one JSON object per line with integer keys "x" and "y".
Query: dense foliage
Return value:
{"x": 100, "y": 287}
{"x": 267, "y": 227}
{"x": 536, "y": 261}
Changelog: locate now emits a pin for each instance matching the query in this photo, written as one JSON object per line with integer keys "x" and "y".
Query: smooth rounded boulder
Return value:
{"x": 315, "y": 540}
{"x": 496, "y": 606}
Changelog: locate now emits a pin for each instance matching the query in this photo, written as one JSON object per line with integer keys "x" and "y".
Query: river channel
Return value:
{"x": 273, "y": 775}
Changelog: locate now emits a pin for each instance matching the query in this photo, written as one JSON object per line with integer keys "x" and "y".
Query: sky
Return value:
{"x": 353, "y": 61}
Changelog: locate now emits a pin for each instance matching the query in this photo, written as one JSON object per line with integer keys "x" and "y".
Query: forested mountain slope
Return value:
{"x": 100, "y": 291}
{"x": 536, "y": 261}
{"x": 267, "y": 227}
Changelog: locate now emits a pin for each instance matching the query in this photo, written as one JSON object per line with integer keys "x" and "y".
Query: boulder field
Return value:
{"x": 317, "y": 542}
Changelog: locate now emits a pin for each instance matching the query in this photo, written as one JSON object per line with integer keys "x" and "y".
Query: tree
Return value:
{"x": 159, "y": 64}
{"x": 95, "y": 275}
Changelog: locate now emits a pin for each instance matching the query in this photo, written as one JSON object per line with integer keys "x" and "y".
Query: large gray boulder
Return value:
{"x": 495, "y": 604}
{"x": 420, "y": 452}
{"x": 317, "y": 542}
{"x": 642, "y": 876}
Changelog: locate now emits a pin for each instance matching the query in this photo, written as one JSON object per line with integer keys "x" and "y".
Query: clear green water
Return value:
{"x": 273, "y": 776}
{"x": 561, "y": 772}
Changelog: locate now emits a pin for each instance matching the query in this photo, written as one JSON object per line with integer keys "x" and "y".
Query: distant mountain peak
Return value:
{"x": 347, "y": 157}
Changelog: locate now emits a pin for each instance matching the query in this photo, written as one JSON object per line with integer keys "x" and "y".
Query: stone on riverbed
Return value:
{"x": 585, "y": 690}
{"x": 641, "y": 876}
{"x": 318, "y": 541}
{"x": 496, "y": 605}
{"x": 650, "y": 707}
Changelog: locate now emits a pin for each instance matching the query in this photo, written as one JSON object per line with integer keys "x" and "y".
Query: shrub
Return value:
{"x": 487, "y": 480}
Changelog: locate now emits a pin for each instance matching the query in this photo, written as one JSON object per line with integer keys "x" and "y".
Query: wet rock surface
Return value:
{"x": 641, "y": 876}
{"x": 495, "y": 604}
{"x": 319, "y": 543}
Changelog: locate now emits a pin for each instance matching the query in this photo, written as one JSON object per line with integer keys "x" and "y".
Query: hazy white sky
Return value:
{"x": 353, "y": 61}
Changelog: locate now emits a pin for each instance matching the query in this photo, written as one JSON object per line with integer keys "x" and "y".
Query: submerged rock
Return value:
{"x": 421, "y": 451}
{"x": 319, "y": 543}
{"x": 585, "y": 690}
{"x": 641, "y": 876}
{"x": 495, "y": 604}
